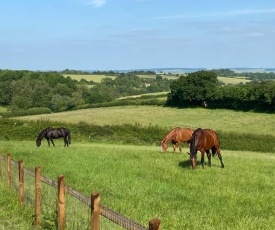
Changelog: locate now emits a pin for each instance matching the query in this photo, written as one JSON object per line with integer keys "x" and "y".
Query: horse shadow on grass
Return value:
{"x": 185, "y": 164}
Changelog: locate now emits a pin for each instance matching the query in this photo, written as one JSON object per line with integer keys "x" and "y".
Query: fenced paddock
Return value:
{"x": 57, "y": 206}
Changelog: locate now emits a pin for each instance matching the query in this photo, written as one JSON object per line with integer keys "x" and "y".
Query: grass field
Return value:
{"x": 141, "y": 183}
{"x": 89, "y": 77}
{"x": 235, "y": 80}
{"x": 98, "y": 77}
{"x": 170, "y": 77}
{"x": 219, "y": 119}
{"x": 2, "y": 109}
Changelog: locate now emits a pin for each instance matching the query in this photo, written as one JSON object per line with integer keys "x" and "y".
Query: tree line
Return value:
{"x": 202, "y": 88}
{"x": 248, "y": 75}
{"x": 21, "y": 90}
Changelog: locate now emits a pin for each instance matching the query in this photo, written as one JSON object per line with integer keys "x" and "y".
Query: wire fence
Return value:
{"x": 80, "y": 210}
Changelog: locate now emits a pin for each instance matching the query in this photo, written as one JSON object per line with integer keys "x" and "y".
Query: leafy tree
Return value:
{"x": 5, "y": 93}
{"x": 192, "y": 90}
{"x": 77, "y": 99}
{"x": 62, "y": 89}
{"x": 60, "y": 103}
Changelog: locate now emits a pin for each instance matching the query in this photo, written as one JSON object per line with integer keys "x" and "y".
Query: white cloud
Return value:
{"x": 250, "y": 11}
{"x": 218, "y": 14}
{"x": 256, "y": 34}
{"x": 98, "y": 3}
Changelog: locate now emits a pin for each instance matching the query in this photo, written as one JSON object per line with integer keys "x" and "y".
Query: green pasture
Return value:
{"x": 217, "y": 119}
{"x": 89, "y": 77}
{"x": 142, "y": 183}
{"x": 234, "y": 80}
{"x": 163, "y": 95}
{"x": 167, "y": 76}
{"x": 98, "y": 77}
{"x": 3, "y": 109}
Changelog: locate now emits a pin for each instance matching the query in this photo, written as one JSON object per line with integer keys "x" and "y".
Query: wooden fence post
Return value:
{"x": 95, "y": 211}
{"x": 21, "y": 182}
{"x": 37, "y": 196}
{"x": 61, "y": 202}
{"x": 155, "y": 224}
{"x": 9, "y": 169}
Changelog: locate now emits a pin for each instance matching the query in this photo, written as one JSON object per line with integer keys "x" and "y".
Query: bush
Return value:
{"x": 11, "y": 129}
{"x": 31, "y": 111}
{"x": 39, "y": 110}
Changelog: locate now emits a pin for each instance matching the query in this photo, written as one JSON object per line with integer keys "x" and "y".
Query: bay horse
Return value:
{"x": 204, "y": 140}
{"x": 54, "y": 133}
{"x": 176, "y": 136}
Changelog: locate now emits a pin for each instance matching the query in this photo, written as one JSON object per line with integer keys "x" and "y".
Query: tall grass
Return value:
{"x": 142, "y": 183}
{"x": 12, "y": 216}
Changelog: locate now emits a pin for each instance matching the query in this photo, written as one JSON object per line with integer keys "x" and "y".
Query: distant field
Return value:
{"x": 235, "y": 80}
{"x": 89, "y": 77}
{"x": 170, "y": 77}
{"x": 98, "y": 77}
{"x": 219, "y": 119}
{"x": 2, "y": 109}
{"x": 148, "y": 94}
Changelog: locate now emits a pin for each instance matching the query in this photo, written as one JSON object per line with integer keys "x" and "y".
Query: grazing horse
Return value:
{"x": 54, "y": 133}
{"x": 204, "y": 140}
{"x": 177, "y": 136}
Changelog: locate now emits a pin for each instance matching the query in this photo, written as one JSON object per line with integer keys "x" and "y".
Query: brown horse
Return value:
{"x": 177, "y": 136}
{"x": 204, "y": 140}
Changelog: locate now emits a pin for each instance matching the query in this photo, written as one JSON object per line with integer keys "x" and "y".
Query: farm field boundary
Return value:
{"x": 33, "y": 196}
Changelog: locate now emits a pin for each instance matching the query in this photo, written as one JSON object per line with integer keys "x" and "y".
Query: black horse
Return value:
{"x": 54, "y": 133}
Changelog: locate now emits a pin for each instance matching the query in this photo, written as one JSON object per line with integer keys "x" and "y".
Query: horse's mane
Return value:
{"x": 42, "y": 133}
{"x": 193, "y": 140}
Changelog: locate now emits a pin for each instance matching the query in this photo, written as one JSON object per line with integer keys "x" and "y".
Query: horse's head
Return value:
{"x": 193, "y": 161}
{"x": 193, "y": 156}
{"x": 193, "y": 148}
{"x": 164, "y": 146}
{"x": 38, "y": 142}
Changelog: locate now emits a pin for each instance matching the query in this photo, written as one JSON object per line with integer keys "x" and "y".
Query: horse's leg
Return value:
{"x": 52, "y": 142}
{"x": 48, "y": 140}
{"x": 209, "y": 157}
{"x": 66, "y": 141}
{"x": 180, "y": 146}
{"x": 174, "y": 147}
{"x": 220, "y": 157}
{"x": 202, "y": 158}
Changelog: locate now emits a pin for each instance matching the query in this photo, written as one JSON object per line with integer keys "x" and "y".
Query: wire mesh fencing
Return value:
{"x": 79, "y": 211}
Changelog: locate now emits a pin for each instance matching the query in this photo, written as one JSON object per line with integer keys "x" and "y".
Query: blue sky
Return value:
{"x": 136, "y": 34}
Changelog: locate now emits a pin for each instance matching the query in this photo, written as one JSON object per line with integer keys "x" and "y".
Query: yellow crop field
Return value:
{"x": 89, "y": 77}
{"x": 98, "y": 77}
